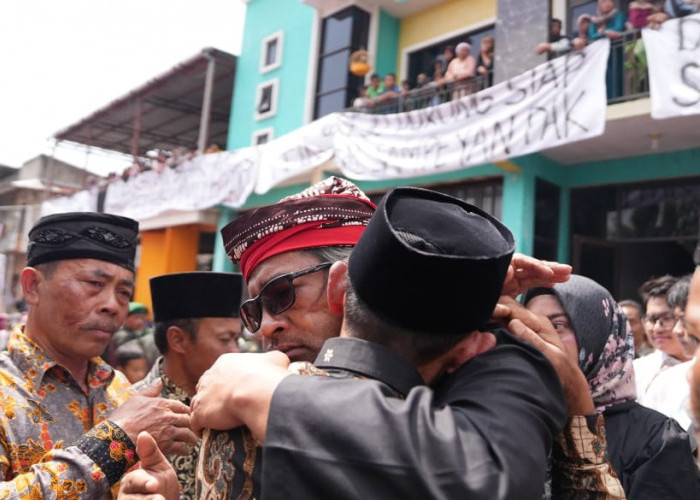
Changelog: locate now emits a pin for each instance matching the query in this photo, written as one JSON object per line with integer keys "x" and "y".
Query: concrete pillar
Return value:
{"x": 519, "y": 27}
{"x": 519, "y": 209}
{"x": 564, "y": 247}
{"x": 220, "y": 262}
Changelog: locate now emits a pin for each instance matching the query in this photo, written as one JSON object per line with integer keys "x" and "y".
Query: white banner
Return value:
{"x": 82, "y": 201}
{"x": 203, "y": 182}
{"x": 673, "y": 55}
{"x": 296, "y": 153}
{"x": 560, "y": 101}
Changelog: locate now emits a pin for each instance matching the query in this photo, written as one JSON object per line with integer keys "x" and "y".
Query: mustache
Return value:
{"x": 109, "y": 326}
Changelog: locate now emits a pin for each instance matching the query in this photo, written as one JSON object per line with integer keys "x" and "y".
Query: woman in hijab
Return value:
{"x": 650, "y": 453}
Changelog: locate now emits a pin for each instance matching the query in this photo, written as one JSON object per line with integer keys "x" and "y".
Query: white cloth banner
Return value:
{"x": 224, "y": 178}
{"x": 82, "y": 201}
{"x": 673, "y": 55}
{"x": 560, "y": 101}
{"x": 296, "y": 153}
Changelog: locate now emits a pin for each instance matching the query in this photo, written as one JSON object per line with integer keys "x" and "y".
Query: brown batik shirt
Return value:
{"x": 184, "y": 465}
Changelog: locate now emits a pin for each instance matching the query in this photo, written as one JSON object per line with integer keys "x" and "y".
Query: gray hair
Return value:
{"x": 463, "y": 45}
{"x": 331, "y": 253}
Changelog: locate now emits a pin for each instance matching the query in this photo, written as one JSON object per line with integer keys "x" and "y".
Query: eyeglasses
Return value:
{"x": 277, "y": 295}
{"x": 666, "y": 320}
{"x": 681, "y": 320}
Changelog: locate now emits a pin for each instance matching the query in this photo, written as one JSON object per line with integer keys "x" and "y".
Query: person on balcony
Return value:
{"x": 460, "y": 69}
{"x": 484, "y": 61}
{"x": 639, "y": 12}
{"x": 609, "y": 22}
{"x": 448, "y": 54}
{"x": 583, "y": 24}
{"x": 375, "y": 87}
{"x": 557, "y": 43}
{"x": 673, "y": 9}
{"x": 390, "y": 90}
{"x": 389, "y": 94}
{"x": 463, "y": 66}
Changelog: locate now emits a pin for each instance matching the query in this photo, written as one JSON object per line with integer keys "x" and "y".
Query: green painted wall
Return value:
{"x": 639, "y": 168}
{"x": 387, "y": 44}
{"x": 264, "y": 18}
{"x": 220, "y": 262}
{"x": 519, "y": 188}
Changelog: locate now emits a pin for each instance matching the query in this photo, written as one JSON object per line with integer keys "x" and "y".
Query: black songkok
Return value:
{"x": 83, "y": 235}
{"x": 431, "y": 263}
{"x": 196, "y": 295}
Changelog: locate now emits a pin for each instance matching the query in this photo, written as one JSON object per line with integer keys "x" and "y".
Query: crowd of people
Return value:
{"x": 398, "y": 364}
{"x": 455, "y": 72}
{"x": 627, "y": 67}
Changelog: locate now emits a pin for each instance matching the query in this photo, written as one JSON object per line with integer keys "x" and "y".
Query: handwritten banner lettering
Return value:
{"x": 560, "y": 101}
{"x": 673, "y": 53}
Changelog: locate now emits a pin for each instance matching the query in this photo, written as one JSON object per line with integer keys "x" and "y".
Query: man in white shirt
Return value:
{"x": 659, "y": 323}
{"x": 669, "y": 391}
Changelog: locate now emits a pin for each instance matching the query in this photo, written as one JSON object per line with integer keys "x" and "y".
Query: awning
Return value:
{"x": 165, "y": 113}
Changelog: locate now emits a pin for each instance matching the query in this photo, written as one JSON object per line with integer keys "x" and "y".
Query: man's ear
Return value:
{"x": 337, "y": 281}
{"x": 470, "y": 346}
{"x": 177, "y": 339}
{"x": 30, "y": 279}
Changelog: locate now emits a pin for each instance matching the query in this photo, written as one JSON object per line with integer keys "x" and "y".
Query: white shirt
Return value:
{"x": 647, "y": 368}
{"x": 669, "y": 393}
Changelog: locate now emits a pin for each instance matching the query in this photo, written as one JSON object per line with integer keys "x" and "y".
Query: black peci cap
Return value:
{"x": 83, "y": 235}
{"x": 196, "y": 295}
{"x": 432, "y": 263}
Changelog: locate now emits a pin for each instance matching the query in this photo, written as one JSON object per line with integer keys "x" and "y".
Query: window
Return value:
{"x": 271, "y": 52}
{"x": 576, "y": 8}
{"x": 341, "y": 34}
{"x": 266, "y": 99}
{"x": 423, "y": 60}
{"x": 263, "y": 136}
{"x": 622, "y": 234}
{"x": 546, "y": 220}
{"x": 485, "y": 194}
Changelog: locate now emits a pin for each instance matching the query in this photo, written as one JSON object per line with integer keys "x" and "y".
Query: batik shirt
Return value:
{"x": 55, "y": 440}
{"x": 229, "y": 466}
{"x": 184, "y": 465}
{"x": 581, "y": 465}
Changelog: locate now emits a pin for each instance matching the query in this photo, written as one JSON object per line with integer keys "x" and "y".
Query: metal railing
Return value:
{"x": 426, "y": 96}
{"x": 627, "y": 76}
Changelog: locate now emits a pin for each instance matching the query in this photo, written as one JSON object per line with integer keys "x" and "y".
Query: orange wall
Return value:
{"x": 170, "y": 250}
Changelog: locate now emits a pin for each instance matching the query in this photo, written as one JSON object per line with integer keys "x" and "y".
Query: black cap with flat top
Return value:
{"x": 430, "y": 262}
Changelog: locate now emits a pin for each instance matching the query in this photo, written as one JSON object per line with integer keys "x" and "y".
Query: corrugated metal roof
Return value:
{"x": 171, "y": 106}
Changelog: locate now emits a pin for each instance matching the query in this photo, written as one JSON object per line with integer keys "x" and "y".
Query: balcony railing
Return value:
{"x": 428, "y": 95}
{"x": 626, "y": 79}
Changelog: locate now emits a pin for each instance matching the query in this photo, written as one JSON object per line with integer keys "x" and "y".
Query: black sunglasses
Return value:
{"x": 277, "y": 295}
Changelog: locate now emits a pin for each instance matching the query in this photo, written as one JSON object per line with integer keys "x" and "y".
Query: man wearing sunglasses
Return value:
{"x": 408, "y": 442}
{"x": 286, "y": 298}
{"x": 392, "y": 437}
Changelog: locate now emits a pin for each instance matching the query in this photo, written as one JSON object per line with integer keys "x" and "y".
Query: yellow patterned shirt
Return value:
{"x": 55, "y": 440}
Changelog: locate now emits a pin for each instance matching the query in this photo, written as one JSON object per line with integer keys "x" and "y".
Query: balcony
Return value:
{"x": 626, "y": 80}
{"x": 426, "y": 96}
